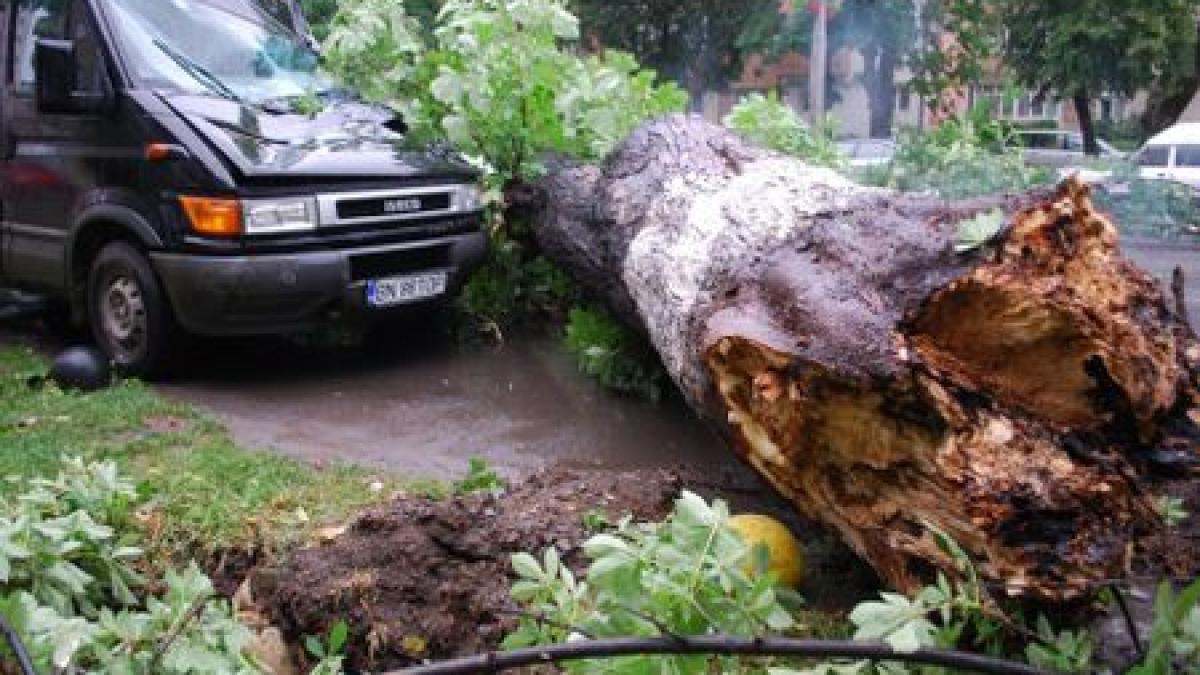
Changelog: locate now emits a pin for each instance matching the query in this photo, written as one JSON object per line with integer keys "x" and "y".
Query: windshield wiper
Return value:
{"x": 199, "y": 72}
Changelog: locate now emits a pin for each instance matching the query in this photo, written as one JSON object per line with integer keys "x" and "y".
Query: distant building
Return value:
{"x": 850, "y": 103}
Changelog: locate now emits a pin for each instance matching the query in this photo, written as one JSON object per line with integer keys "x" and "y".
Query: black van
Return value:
{"x": 183, "y": 165}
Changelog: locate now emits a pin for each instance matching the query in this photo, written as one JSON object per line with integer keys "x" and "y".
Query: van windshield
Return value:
{"x": 230, "y": 48}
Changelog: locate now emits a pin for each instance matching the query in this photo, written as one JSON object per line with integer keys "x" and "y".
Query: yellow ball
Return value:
{"x": 785, "y": 556}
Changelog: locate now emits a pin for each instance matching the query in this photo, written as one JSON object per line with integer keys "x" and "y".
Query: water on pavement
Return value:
{"x": 417, "y": 404}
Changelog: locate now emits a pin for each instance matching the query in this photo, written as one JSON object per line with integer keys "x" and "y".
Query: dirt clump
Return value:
{"x": 422, "y": 578}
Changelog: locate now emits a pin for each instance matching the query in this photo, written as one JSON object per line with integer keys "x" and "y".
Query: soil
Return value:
{"x": 427, "y": 579}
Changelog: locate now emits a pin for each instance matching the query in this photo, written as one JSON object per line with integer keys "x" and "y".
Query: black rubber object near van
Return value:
{"x": 180, "y": 166}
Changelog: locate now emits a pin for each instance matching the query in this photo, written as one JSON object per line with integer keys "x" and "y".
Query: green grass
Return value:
{"x": 204, "y": 494}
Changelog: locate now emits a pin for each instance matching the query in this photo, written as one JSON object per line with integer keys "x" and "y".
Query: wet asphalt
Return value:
{"x": 416, "y": 403}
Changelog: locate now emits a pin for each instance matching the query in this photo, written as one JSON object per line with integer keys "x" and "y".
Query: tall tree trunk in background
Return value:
{"x": 882, "y": 381}
{"x": 1083, "y": 110}
{"x": 883, "y": 91}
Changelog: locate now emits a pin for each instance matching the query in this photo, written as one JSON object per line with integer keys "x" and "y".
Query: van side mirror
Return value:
{"x": 56, "y": 76}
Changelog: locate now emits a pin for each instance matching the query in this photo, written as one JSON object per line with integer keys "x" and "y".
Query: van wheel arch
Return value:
{"x": 88, "y": 240}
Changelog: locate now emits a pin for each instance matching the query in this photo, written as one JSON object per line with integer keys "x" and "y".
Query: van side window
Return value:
{"x": 35, "y": 19}
{"x": 1187, "y": 155}
{"x": 1153, "y": 155}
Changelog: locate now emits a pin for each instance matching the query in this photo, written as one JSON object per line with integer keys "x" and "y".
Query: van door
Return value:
{"x": 53, "y": 158}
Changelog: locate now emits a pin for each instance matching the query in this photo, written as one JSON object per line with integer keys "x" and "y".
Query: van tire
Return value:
{"x": 129, "y": 312}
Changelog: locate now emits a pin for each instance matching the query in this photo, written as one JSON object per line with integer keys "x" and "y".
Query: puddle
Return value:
{"x": 418, "y": 405}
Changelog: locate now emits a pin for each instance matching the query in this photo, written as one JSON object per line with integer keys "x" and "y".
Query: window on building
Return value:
{"x": 1023, "y": 106}
{"x": 1187, "y": 155}
{"x": 1037, "y": 107}
{"x": 1153, "y": 155}
{"x": 905, "y": 98}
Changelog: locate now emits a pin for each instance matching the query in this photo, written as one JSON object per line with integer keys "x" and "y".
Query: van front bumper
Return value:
{"x": 285, "y": 292}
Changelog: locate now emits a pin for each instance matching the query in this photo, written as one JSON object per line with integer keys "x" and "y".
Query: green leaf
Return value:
{"x": 526, "y": 567}
{"x": 312, "y": 644}
{"x": 691, "y": 510}
{"x": 337, "y": 636}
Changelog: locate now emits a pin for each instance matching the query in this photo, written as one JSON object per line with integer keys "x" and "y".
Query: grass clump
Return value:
{"x": 201, "y": 493}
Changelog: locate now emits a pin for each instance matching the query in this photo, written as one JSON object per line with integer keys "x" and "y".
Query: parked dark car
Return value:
{"x": 158, "y": 178}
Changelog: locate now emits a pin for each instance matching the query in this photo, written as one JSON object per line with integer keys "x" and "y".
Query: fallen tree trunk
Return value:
{"x": 879, "y": 379}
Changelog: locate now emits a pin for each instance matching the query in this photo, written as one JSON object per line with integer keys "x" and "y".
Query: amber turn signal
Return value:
{"x": 213, "y": 216}
{"x": 162, "y": 152}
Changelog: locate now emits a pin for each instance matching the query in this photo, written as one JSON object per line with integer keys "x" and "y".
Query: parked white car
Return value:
{"x": 1173, "y": 154}
{"x": 1057, "y": 147}
{"x": 860, "y": 152}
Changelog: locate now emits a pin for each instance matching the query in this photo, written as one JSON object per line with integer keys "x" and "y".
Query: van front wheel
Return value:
{"x": 129, "y": 312}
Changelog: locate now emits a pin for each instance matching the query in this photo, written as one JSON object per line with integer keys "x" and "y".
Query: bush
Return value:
{"x": 612, "y": 354}
{"x": 688, "y": 575}
{"x": 766, "y": 121}
{"x": 70, "y": 589}
{"x": 512, "y": 288}
{"x": 960, "y": 158}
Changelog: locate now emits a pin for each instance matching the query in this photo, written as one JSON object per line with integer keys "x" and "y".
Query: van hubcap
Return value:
{"x": 124, "y": 314}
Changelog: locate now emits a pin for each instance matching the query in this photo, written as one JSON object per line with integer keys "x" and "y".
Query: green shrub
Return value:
{"x": 767, "y": 121}
{"x": 688, "y": 575}
{"x": 68, "y": 586}
{"x": 612, "y": 354}
{"x": 512, "y": 288}
{"x": 960, "y": 158}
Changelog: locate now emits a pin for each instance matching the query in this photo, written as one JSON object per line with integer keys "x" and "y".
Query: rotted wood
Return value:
{"x": 876, "y": 377}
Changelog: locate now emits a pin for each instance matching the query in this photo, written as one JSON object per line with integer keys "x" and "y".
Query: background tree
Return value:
{"x": 698, "y": 43}
{"x": 1080, "y": 49}
{"x": 884, "y": 33}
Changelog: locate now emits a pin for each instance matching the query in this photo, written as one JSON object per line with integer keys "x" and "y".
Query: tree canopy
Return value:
{"x": 1079, "y": 49}
{"x": 699, "y": 43}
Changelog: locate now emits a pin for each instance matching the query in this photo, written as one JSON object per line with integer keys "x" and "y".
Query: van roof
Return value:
{"x": 1187, "y": 132}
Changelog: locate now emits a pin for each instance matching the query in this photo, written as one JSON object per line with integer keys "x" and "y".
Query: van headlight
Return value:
{"x": 271, "y": 216}
{"x": 468, "y": 198}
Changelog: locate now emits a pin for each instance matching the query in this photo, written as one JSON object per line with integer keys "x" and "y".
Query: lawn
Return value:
{"x": 204, "y": 494}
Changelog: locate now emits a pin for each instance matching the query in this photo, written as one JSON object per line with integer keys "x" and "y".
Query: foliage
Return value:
{"x": 511, "y": 287}
{"x": 58, "y": 541}
{"x": 68, "y": 565}
{"x": 1172, "y": 510}
{"x": 953, "y": 613}
{"x": 329, "y": 653}
{"x": 685, "y": 576}
{"x": 1061, "y": 46}
{"x": 499, "y": 79}
{"x": 698, "y": 43}
{"x": 480, "y": 478}
{"x": 612, "y": 354}
{"x": 767, "y": 121}
{"x": 1175, "y": 633}
{"x": 1151, "y": 207}
{"x": 957, "y": 40}
{"x": 975, "y": 232}
{"x": 960, "y": 158}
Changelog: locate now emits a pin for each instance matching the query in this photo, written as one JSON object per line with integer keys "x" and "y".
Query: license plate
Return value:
{"x": 397, "y": 290}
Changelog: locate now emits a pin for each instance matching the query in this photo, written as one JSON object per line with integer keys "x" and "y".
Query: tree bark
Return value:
{"x": 1083, "y": 110}
{"x": 879, "y": 77}
{"x": 880, "y": 380}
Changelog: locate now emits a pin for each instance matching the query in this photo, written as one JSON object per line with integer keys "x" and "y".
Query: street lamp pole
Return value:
{"x": 817, "y": 63}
